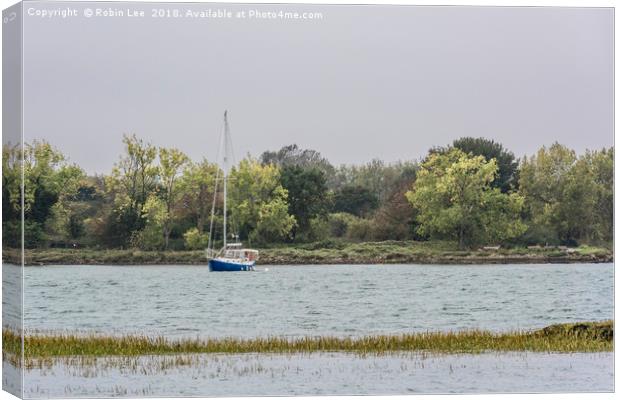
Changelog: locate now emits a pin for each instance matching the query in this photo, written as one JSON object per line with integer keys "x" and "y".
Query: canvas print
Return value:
{"x": 205, "y": 199}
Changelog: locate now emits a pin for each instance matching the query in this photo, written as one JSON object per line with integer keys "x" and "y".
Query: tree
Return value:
{"x": 155, "y": 216}
{"x": 11, "y": 182}
{"x": 507, "y": 165}
{"x": 601, "y": 164}
{"x": 454, "y": 199}
{"x": 48, "y": 177}
{"x": 48, "y": 181}
{"x": 376, "y": 176}
{"x": 258, "y": 202}
{"x": 507, "y": 177}
{"x": 542, "y": 181}
{"x": 395, "y": 219}
{"x": 196, "y": 187}
{"x": 11, "y": 195}
{"x": 195, "y": 240}
{"x": 74, "y": 211}
{"x": 274, "y": 222}
{"x": 292, "y": 155}
{"x": 171, "y": 163}
{"x": 568, "y": 198}
{"x": 356, "y": 200}
{"x": 307, "y": 195}
{"x": 132, "y": 181}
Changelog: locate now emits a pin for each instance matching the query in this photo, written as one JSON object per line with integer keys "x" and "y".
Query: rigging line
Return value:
{"x": 228, "y": 139}
{"x": 217, "y": 175}
{"x": 210, "y": 243}
{"x": 232, "y": 149}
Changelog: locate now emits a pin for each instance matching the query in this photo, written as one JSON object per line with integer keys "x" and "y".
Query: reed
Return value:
{"x": 579, "y": 337}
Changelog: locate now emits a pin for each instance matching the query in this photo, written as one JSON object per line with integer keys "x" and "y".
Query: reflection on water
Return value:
{"x": 328, "y": 373}
{"x": 312, "y": 300}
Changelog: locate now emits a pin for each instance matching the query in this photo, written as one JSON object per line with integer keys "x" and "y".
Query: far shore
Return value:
{"x": 390, "y": 252}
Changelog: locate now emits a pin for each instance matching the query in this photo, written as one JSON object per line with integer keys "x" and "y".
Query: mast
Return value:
{"x": 225, "y": 200}
{"x": 226, "y": 166}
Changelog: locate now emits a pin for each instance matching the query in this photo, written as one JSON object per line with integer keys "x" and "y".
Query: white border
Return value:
{"x": 512, "y": 3}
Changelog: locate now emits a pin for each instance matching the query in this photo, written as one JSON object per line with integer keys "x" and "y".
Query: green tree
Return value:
{"x": 11, "y": 182}
{"x": 356, "y": 200}
{"x": 307, "y": 195}
{"x": 11, "y": 195}
{"x": 568, "y": 198}
{"x": 377, "y": 177}
{"x": 259, "y": 206}
{"x": 67, "y": 224}
{"x": 48, "y": 180}
{"x": 454, "y": 199}
{"x": 507, "y": 177}
{"x": 507, "y": 165}
{"x": 48, "y": 177}
{"x": 171, "y": 163}
{"x": 274, "y": 222}
{"x": 155, "y": 216}
{"x": 602, "y": 166}
{"x": 542, "y": 181}
{"x": 196, "y": 187}
{"x": 132, "y": 181}
{"x": 195, "y": 240}
{"x": 292, "y": 155}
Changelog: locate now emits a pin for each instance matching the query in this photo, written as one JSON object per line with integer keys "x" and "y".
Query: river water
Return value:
{"x": 321, "y": 374}
{"x": 342, "y": 300}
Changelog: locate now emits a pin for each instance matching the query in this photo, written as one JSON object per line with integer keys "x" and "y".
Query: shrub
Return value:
{"x": 324, "y": 244}
{"x": 539, "y": 235}
{"x": 33, "y": 234}
{"x": 318, "y": 229}
{"x": 360, "y": 229}
{"x": 339, "y": 223}
{"x": 147, "y": 239}
{"x": 194, "y": 240}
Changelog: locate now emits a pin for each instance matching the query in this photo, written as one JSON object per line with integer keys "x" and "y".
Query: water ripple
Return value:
{"x": 309, "y": 300}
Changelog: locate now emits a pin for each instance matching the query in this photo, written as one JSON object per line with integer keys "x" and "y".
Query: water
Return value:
{"x": 327, "y": 373}
{"x": 344, "y": 300}
{"x": 310, "y": 300}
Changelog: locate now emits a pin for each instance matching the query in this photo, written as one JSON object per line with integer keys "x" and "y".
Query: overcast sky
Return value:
{"x": 363, "y": 82}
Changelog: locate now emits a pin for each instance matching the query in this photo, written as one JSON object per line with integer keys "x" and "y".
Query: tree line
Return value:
{"x": 473, "y": 192}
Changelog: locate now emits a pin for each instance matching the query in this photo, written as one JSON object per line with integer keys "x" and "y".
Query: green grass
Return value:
{"x": 327, "y": 252}
{"x": 591, "y": 250}
{"x": 579, "y": 337}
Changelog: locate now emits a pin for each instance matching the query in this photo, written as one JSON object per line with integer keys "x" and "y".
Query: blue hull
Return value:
{"x": 220, "y": 265}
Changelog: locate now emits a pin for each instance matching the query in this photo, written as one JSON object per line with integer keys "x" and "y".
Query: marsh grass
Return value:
{"x": 579, "y": 337}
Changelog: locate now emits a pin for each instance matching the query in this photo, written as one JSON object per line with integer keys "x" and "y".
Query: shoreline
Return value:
{"x": 423, "y": 253}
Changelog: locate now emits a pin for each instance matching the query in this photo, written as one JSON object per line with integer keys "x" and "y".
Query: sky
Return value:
{"x": 360, "y": 83}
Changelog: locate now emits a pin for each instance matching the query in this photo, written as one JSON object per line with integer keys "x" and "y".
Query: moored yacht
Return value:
{"x": 232, "y": 256}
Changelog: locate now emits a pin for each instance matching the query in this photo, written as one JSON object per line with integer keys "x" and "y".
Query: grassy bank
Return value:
{"x": 579, "y": 337}
{"x": 390, "y": 252}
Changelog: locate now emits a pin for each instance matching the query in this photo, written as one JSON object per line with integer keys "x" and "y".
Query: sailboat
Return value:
{"x": 232, "y": 256}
